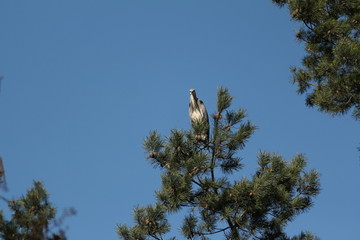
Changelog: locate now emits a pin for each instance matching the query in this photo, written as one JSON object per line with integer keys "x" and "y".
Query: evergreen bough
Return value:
{"x": 195, "y": 176}
{"x": 33, "y": 217}
{"x": 331, "y": 68}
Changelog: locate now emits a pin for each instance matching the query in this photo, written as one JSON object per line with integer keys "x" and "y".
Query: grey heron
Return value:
{"x": 2, "y": 175}
{"x": 198, "y": 115}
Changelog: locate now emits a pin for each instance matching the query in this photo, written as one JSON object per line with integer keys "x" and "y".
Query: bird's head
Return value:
{"x": 192, "y": 92}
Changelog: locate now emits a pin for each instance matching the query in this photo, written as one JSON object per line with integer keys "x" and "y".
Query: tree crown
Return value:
{"x": 195, "y": 176}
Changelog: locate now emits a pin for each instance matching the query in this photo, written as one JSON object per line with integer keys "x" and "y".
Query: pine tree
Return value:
{"x": 331, "y": 68}
{"x": 33, "y": 217}
{"x": 196, "y": 179}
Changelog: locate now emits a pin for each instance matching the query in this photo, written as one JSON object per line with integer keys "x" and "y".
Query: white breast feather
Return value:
{"x": 196, "y": 115}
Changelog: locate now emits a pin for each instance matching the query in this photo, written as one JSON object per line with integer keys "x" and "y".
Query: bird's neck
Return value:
{"x": 193, "y": 101}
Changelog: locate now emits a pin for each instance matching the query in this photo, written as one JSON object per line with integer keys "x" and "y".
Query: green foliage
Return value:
{"x": 224, "y": 99}
{"x": 195, "y": 177}
{"x": 150, "y": 222}
{"x": 33, "y": 216}
{"x": 331, "y": 69}
{"x": 305, "y": 236}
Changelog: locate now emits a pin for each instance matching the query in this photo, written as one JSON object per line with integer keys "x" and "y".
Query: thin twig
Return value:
{"x": 211, "y": 233}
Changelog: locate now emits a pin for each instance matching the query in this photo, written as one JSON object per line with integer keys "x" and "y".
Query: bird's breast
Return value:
{"x": 196, "y": 115}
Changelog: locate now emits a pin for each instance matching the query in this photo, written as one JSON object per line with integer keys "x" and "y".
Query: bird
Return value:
{"x": 3, "y": 184}
{"x": 199, "y": 115}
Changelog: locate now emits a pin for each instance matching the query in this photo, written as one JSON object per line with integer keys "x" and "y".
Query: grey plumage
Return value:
{"x": 198, "y": 114}
{"x": 3, "y": 184}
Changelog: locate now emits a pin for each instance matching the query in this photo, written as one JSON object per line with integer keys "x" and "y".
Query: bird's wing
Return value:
{"x": 2, "y": 169}
{"x": 190, "y": 110}
{"x": 203, "y": 110}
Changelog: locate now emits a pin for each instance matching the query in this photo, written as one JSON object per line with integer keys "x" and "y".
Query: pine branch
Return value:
{"x": 213, "y": 232}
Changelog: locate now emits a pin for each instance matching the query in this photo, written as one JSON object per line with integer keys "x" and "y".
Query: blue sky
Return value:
{"x": 85, "y": 82}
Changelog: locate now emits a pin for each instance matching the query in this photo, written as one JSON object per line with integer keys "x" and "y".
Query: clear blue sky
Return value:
{"x": 85, "y": 82}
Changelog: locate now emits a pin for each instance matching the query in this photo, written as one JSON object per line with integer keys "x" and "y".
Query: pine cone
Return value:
{"x": 217, "y": 116}
{"x": 198, "y": 137}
